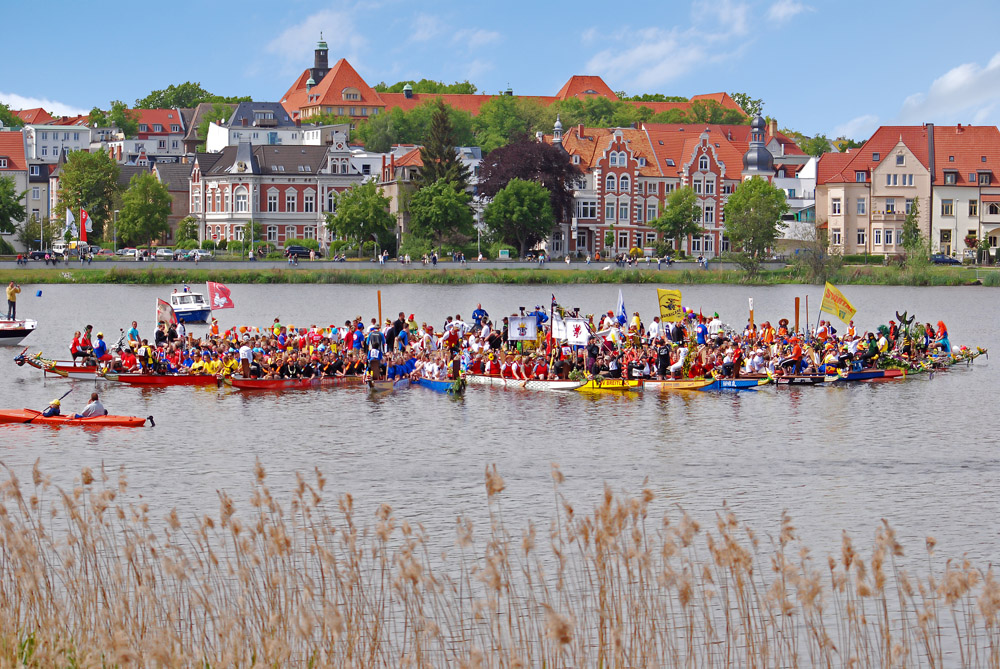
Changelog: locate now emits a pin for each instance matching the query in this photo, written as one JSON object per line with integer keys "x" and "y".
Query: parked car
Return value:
{"x": 127, "y": 251}
{"x": 39, "y": 255}
{"x": 201, "y": 254}
{"x": 105, "y": 252}
{"x": 942, "y": 259}
{"x": 299, "y": 252}
{"x": 95, "y": 249}
{"x": 165, "y": 253}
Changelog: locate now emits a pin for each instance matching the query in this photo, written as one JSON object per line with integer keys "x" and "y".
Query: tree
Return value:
{"x": 438, "y": 154}
{"x": 396, "y": 126}
{"x": 815, "y": 146}
{"x": 653, "y": 97}
{"x": 532, "y": 161}
{"x": 8, "y": 118}
{"x": 750, "y": 106}
{"x": 710, "y": 111}
{"x": 98, "y": 118}
{"x": 89, "y": 180}
{"x": 814, "y": 260}
{"x": 428, "y": 86}
{"x": 11, "y": 205}
{"x": 753, "y": 221}
{"x": 844, "y": 143}
{"x": 145, "y": 208}
{"x": 914, "y": 243}
{"x": 187, "y": 94}
{"x": 505, "y": 118}
{"x": 35, "y": 234}
{"x": 681, "y": 216}
{"x": 123, "y": 118}
{"x": 440, "y": 213}
{"x": 187, "y": 229}
{"x": 360, "y": 213}
{"x": 220, "y": 111}
{"x": 520, "y": 214}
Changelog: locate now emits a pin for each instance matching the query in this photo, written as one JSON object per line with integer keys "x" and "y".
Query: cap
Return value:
{"x": 412, "y": 318}
{"x": 54, "y": 403}
{"x": 100, "y": 334}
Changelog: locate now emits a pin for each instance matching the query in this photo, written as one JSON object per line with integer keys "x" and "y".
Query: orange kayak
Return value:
{"x": 32, "y": 417}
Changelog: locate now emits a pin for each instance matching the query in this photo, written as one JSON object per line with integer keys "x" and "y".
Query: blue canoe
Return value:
{"x": 443, "y": 386}
{"x": 735, "y": 384}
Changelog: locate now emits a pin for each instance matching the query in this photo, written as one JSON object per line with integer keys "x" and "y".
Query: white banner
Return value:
{"x": 573, "y": 331}
{"x": 522, "y": 328}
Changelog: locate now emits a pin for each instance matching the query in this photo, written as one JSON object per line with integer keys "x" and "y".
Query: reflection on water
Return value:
{"x": 920, "y": 452}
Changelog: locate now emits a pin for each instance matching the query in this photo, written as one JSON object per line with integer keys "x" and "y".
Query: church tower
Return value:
{"x": 321, "y": 61}
{"x": 758, "y": 161}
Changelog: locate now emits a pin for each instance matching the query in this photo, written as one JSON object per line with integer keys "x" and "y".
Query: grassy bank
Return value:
{"x": 154, "y": 275}
{"x": 98, "y": 576}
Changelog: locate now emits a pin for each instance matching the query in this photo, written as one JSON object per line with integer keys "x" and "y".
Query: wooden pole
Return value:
{"x": 751, "y": 313}
{"x": 807, "y": 315}
{"x": 797, "y": 314}
{"x": 380, "y": 308}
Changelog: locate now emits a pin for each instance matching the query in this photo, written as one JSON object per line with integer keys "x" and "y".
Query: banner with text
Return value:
{"x": 836, "y": 304}
{"x": 670, "y": 305}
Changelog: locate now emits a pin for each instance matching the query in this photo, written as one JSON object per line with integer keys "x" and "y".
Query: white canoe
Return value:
{"x": 516, "y": 384}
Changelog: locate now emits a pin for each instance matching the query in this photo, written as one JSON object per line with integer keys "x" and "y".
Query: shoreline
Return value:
{"x": 308, "y": 273}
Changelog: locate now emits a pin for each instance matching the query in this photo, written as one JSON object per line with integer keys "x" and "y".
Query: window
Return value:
{"x": 309, "y": 203}
{"x": 984, "y": 179}
{"x": 609, "y": 211}
{"x": 972, "y": 177}
{"x": 951, "y": 178}
{"x": 272, "y": 233}
{"x": 907, "y": 179}
{"x": 613, "y": 159}
{"x": 725, "y": 244}
{"x": 947, "y": 207}
{"x": 623, "y": 183}
{"x": 650, "y": 238}
{"x": 861, "y": 237}
{"x": 651, "y": 212}
{"x": 241, "y": 199}
{"x": 994, "y": 209}
{"x": 696, "y": 243}
{"x": 859, "y": 177}
{"x": 289, "y": 232}
{"x": 703, "y": 163}
{"x": 909, "y": 204}
{"x": 35, "y": 170}
{"x": 862, "y": 206}
{"x": 890, "y": 205}
{"x": 835, "y": 206}
{"x": 791, "y": 193}
{"x": 709, "y": 187}
{"x": 272, "y": 202}
{"x": 709, "y": 243}
{"x": 309, "y": 232}
{"x": 951, "y": 159}
{"x": 973, "y": 207}
{"x": 162, "y": 144}
{"x": 290, "y": 200}
{"x": 174, "y": 144}
{"x": 946, "y": 236}
{"x": 195, "y": 201}
{"x": 36, "y": 193}
{"x": 588, "y": 209}
{"x": 993, "y": 241}
{"x": 65, "y": 137}
{"x": 227, "y": 203}
{"x": 891, "y": 179}
{"x": 888, "y": 237}
{"x": 611, "y": 183}
{"x": 623, "y": 210}
{"x": 709, "y": 214}
{"x": 836, "y": 237}
{"x": 44, "y": 135}
{"x": 174, "y": 127}
{"x": 45, "y": 152}
{"x": 697, "y": 187}
{"x": 875, "y": 157}
{"x": 781, "y": 174}
{"x": 143, "y": 127}
{"x": 623, "y": 240}
{"x": 878, "y": 236}
{"x": 76, "y": 137}
{"x": 900, "y": 159}
{"x": 727, "y": 189}
{"x": 366, "y": 169}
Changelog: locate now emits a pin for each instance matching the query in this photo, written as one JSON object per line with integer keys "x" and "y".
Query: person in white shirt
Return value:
{"x": 678, "y": 365}
{"x": 95, "y": 408}
{"x": 653, "y": 331}
{"x": 246, "y": 352}
{"x": 714, "y": 326}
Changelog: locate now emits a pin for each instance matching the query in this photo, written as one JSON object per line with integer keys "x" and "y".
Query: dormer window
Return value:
{"x": 351, "y": 94}
{"x": 984, "y": 179}
{"x": 35, "y": 171}
{"x": 951, "y": 159}
{"x": 143, "y": 127}
{"x": 950, "y": 178}
{"x": 157, "y": 127}
{"x": 875, "y": 157}
{"x": 174, "y": 127}
{"x": 860, "y": 177}
{"x": 3, "y": 162}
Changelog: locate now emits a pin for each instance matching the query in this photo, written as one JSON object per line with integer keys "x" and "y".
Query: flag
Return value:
{"x": 670, "y": 305}
{"x": 70, "y": 224}
{"x": 86, "y": 221}
{"x": 219, "y": 296}
{"x": 577, "y": 332}
{"x": 165, "y": 312}
{"x": 522, "y": 328}
{"x": 836, "y": 304}
{"x": 620, "y": 309}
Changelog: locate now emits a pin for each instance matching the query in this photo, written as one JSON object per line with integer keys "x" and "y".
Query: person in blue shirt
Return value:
{"x": 101, "y": 348}
{"x": 540, "y": 316}
{"x": 701, "y": 332}
{"x": 402, "y": 340}
{"x": 478, "y": 315}
{"x": 133, "y": 333}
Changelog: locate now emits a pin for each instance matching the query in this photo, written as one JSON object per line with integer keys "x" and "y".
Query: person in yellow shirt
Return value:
{"x": 12, "y": 290}
{"x": 230, "y": 364}
{"x": 213, "y": 365}
{"x": 198, "y": 366}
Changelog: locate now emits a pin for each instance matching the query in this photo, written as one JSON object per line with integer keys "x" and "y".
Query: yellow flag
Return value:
{"x": 836, "y": 304}
{"x": 670, "y": 305}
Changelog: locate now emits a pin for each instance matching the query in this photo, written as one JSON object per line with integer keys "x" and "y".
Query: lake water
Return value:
{"x": 920, "y": 453}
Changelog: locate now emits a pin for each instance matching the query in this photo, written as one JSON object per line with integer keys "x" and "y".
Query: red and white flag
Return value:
{"x": 165, "y": 313}
{"x": 85, "y": 225}
{"x": 219, "y": 296}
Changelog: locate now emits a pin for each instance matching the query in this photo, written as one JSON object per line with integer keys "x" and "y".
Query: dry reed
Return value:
{"x": 88, "y": 578}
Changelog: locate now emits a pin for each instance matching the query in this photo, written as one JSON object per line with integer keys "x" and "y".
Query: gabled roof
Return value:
{"x": 71, "y": 120}
{"x": 175, "y": 175}
{"x": 591, "y": 144}
{"x": 329, "y": 91}
{"x": 269, "y": 159}
{"x": 206, "y": 161}
{"x": 881, "y": 143}
{"x": 832, "y": 164}
{"x": 163, "y": 117}
{"x": 126, "y": 172}
{"x": 192, "y": 122}
{"x": 969, "y": 145}
{"x": 36, "y": 115}
{"x": 585, "y": 86}
{"x": 722, "y": 98}
{"x": 12, "y": 148}
{"x": 410, "y": 159}
{"x": 247, "y": 110}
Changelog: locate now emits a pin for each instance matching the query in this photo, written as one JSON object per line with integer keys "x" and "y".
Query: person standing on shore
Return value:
{"x": 12, "y": 290}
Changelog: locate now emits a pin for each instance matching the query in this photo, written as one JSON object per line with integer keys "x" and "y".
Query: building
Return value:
{"x": 43, "y": 143}
{"x": 14, "y": 166}
{"x": 628, "y": 173}
{"x": 948, "y": 172}
{"x": 177, "y": 178}
{"x": 341, "y": 91}
{"x": 268, "y": 123}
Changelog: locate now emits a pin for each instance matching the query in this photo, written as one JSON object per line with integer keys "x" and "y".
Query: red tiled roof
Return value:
{"x": 36, "y": 115}
{"x": 466, "y": 103}
{"x": 72, "y": 120}
{"x": 585, "y": 86}
{"x": 881, "y": 143}
{"x": 830, "y": 165}
{"x": 410, "y": 159}
{"x": 163, "y": 117}
{"x": 329, "y": 91}
{"x": 12, "y": 148}
{"x": 722, "y": 98}
{"x": 969, "y": 145}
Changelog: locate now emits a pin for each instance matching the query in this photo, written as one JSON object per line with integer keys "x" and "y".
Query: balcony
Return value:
{"x": 890, "y": 217}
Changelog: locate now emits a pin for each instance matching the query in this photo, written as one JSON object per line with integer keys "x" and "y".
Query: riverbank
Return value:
{"x": 166, "y": 274}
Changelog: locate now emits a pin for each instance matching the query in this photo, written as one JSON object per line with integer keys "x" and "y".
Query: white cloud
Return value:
{"x": 968, "y": 91}
{"x": 785, "y": 10}
{"x": 476, "y": 37}
{"x": 475, "y": 69}
{"x": 859, "y": 128}
{"x": 17, "y": 102}
{"x": 295, "y": 45}
{"x": 426, "y": 28}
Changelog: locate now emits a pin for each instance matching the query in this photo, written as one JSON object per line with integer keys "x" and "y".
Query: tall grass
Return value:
{"x": 88, "y": 577}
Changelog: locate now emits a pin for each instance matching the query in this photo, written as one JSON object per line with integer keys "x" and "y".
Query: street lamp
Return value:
{"x": 114, "y": 234}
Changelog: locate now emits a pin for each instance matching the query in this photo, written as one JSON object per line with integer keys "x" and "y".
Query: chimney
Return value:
{"x": 407, "y": 91}
{"x": 539, "y": 136}
{"x": 930, "y": 149}
{"x": 579, "y": 131}
{"x": 772, "y": 127}
{"x": 298, "y": 123}
{"x": 959, "y": 129}
{"x": 243, "y": 122}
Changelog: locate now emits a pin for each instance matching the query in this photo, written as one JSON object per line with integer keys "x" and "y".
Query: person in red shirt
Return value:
{"x": 74, "y": 349}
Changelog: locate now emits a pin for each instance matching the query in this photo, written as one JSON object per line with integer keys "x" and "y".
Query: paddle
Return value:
{"x": 40, "y": 413}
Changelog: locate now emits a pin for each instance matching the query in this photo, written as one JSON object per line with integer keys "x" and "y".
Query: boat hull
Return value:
{"x": 870, "y": 375}
{"x": 735, "y": 384}
{"x": 13, "y": 333}
{"x": 32, "y": 417}
{"x": 443, "y": 386}
{"x": 611, "y": 385}
{"x": 387, "y": 386}
{"x": 515, "y": 384}
{"x": 194, "y": 315}
{"x": 160, "y": 380}
{"x": 295, "y": 384}
{"x": 668, "y": 385}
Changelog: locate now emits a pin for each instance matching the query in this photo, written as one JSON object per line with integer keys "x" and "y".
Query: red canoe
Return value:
{"x": 295, "y": 384}
{"x": 32, "y": 417}
{"x": 164, "y": 379}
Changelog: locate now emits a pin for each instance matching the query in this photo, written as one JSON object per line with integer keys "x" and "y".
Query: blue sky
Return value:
{"x": 831, "y": 67}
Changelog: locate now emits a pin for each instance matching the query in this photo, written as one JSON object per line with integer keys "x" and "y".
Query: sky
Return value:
{"x": 838, "y": 68}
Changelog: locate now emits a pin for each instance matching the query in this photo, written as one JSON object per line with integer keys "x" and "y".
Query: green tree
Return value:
{"x": 844, "y": 144}
{"x": 504, "y": 119}
{"x": 145, "y": 208}
{"x": 681, "y": 216}
{"x": 12, "y": 209}
{"x": 396, "y": 126}
{"x": 8, "y": 118}
{"x": 914, "y": 242}
{"x": 815, "y": 146}
{"x": 520, "y": 215}
{"x": 123, "y": 118}
{"x": 98, "y": 118}
{"x": 654, "y": 97}
{"x": 710, "y": 111}
{"x": 428, "y": 86}
{"x": 35, "y": 234}
{"x": 89, "y": 180}
{"x": 440, "y": 213}
{"x": 438, "y": 153}
{"x": 753, "y": 221}
{"x": 220, "y": 111}
{"x": 750, "y": 106}
{"x": 187, "y": 229}
{"x": 187, "y": 94}
{"x": 360, "y": 213}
